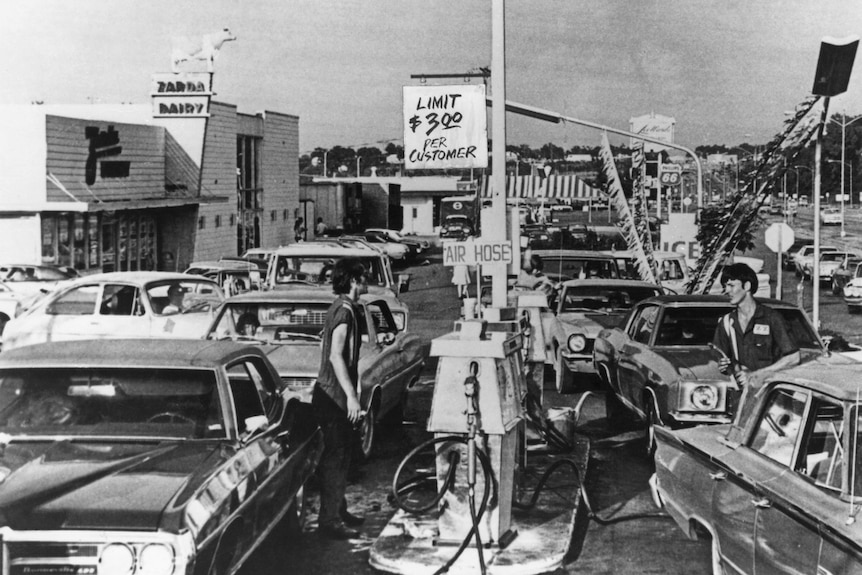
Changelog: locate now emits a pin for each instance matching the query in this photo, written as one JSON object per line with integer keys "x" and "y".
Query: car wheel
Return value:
{"x": 649, "y": 432}
{"x": 852, "y": 309}
{"x": 565, "y": 379}
{"x": 295, "y": 518}
{"x": 367, "y": 428}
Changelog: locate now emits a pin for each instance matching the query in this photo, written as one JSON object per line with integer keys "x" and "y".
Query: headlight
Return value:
{"x": 116, "y": 559}
{"x": 704, "y": 397}
{"x": 577, "y": 343}
{"x": 156, "y": 559}
{"x": 400, "y": 320}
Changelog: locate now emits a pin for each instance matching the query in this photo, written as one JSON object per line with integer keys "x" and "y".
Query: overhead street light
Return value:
{"x": 796, "y": 171}
{"x": 834, "y": 65}
{"x": 844, "y": 123}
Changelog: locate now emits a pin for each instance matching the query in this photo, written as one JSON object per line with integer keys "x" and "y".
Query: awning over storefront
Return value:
{"x": 536, "y": 187}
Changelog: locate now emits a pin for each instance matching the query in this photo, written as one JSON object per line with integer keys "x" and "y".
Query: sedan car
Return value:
{"x": 119, "y": 305}
{"x": 804, "y": 258}
{"x": 831, "y": 217}
{"x": 661, "y": 367}
{"x": 829, "y": 262}
{"x": 846, "y": 271}
{"x": 13, "y": 303}
{"x": 853, "y": 295}
{"x": 584, "y": 308}
{"x": 397, "y": 251}
{"x": 415, "y": 246}
{"x": 141, "y": 457}
{"x": 778, "y": 493}
{"x": 33, "y": 279}
{"x": 305, "y": 265}
{"x": 287, "y": 325}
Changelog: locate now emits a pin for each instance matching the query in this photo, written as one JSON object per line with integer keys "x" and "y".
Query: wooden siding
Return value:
{"x": 218, "y": 178}
{"x": 68, "y": 149}
{"x": 280, "y": 173}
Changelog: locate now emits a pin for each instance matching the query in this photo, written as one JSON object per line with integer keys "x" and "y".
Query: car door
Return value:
{"x": 71, "y": 315}
{"x": 630, "y": 374}
{"x": 121, "y": 313}
{"x": 741, "y": 489}
{"x": 264, "y": 482}
{"x": 385, "y": 359}
{"x": 787, "y": 531}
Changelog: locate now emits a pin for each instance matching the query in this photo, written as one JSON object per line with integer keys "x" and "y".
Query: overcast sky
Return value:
{"x": 726, "y": 70}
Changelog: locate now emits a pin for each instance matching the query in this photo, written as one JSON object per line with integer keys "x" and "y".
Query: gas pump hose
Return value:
{"x": 583, "y": 493}
{"x": 399, "y": 489}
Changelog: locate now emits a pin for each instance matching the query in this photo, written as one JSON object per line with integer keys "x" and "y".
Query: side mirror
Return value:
{"x": 255, "y": 423}
{"x": 403, "y": 283}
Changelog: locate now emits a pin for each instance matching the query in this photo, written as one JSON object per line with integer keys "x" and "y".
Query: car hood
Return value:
{"x": 590, "y": 323}
{"x": 97, "y": 485}
{"x": 692, "y": 362}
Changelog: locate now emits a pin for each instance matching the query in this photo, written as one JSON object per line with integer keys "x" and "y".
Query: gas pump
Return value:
{"x": 485, "y": 367}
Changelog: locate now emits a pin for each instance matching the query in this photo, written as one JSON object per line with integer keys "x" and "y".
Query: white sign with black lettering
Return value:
{"x": 477, "y": 252}
{"x": 445, "y": 127}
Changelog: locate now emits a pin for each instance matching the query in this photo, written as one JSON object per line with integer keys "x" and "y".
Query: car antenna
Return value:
{"x": 851, "y": 519}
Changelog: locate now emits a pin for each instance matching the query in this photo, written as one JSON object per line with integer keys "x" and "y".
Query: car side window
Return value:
{"x": 250, "y": 396}
{"x": 121, "y": 300}
{"x": 643, "y": 325}
{"x": 78, "y": 301}
{"x": 822, "y": 455}
{"x": 779, "y": 425}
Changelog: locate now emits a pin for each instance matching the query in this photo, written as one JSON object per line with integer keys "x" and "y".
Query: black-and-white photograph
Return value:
{"x": 477, "y": 287}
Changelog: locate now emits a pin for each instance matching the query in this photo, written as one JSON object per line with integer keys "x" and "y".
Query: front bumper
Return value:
{"x": 579, "y": 362}
{"x": 688, "y": 418}
{"x": 80, "y": 551}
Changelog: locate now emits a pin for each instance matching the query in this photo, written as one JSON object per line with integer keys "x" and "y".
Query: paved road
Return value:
{"x": 617, "y": 482}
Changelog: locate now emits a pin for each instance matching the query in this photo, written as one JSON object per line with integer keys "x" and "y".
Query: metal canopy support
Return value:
{"x": 555, "y": 118}
{"x": 497, "y": 228}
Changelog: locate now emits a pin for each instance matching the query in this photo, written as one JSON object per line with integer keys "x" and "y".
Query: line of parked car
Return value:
{"x": 161, "y": 421}
{"x": 775, "y": 490}
{"x": 838, "y": 269}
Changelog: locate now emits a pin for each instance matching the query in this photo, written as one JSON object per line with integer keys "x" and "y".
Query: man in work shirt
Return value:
{"x": 753, "y": 336}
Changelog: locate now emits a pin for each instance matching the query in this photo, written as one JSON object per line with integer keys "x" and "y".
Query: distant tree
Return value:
{"x": 392, "y": 148}
{"x": 551, "y": 152}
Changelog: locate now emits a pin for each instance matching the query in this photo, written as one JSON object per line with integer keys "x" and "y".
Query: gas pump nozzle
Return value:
{"x": 734, "y": 367}
{"x": 471, "y": 385}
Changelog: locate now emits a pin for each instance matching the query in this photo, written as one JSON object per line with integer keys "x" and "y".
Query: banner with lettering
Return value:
{"x": 626, "y": 220}
{"x": 445, "y": 127}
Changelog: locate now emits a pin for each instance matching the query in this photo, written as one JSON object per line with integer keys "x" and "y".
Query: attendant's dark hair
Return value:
{"x": 345, "y": 270}
{"x": 741, "y": 272}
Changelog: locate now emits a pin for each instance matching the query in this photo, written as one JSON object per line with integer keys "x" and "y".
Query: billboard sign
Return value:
{"x": 445, "y": 127}
{"x": 653, "y": 126}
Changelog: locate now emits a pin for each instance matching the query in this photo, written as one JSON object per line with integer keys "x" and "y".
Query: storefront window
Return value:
{"x": 64, "y": 242}
{"x": 108, "y": 243}
{"x": 133, "y": 243}
{"x": 78, "y": 244}
{"x": 123, "y": 245}
{"x": 49, "y": 250}
{"x": 92, "y": 241}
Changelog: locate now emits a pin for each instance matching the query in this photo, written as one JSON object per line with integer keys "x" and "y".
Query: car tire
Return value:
{"x": 367, "y": 429}
{"x": 565, "y": 379}
{"x": 650, "y": 421}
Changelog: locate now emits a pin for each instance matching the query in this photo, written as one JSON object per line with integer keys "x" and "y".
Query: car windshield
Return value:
{"x": 184, "y": 297}
{"x": 832, "y": 257}
{"x": 109, "y": 402}
{"x": 270, "y": 322}
{"x": 316, "y": 269}
{"x": 693, "y": 326}
{"x": 566, "y": 268}
{"x": 608, "y": 298}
